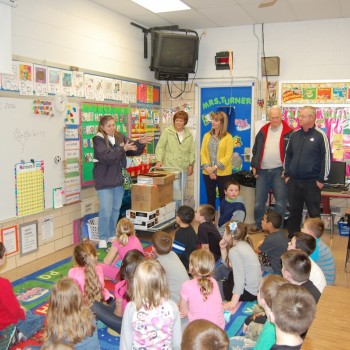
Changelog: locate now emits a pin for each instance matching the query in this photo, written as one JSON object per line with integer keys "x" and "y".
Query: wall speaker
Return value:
{"x": 270, "y": 66}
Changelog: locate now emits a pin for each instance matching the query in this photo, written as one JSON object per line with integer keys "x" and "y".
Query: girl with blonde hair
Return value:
{"x": 151, "y": 320}
{"x": 69, "y": 319}
{"x": 237, "y": 253}
{"x": 125, "y": 240}
{"x": 88, "y": 274}
{"x": 200, "y": 297}
{"x": 111, "y": 315}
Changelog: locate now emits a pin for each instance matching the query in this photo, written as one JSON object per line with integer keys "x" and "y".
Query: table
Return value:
{"x": 325, "y": 201}
{"x": 330, "y": 328}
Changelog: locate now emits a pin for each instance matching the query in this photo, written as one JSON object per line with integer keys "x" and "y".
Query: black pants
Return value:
{"x": 298, "y": 194}
{"x": 210, "y": 186}
{"x": 105, "y": 314}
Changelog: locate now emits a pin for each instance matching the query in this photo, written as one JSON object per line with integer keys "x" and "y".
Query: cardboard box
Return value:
{"x": 143, "y": 215}
{"x": 156, "y": 178}
{"x": 150, "y": 197}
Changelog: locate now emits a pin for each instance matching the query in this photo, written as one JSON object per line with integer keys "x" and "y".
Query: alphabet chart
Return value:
{"x": 29, "y": 179}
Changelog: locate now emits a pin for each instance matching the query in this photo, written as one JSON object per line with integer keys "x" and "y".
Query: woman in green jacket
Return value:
{"x": 175, "y": 148}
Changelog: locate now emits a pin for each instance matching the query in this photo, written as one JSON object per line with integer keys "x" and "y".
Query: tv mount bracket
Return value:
{"x": 145, "y": 32}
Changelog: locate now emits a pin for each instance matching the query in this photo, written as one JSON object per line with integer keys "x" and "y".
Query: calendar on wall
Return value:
{"x": 30, "y": 190}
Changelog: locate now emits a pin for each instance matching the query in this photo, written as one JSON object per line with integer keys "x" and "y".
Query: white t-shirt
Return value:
{"x": 272, "y": 157}
{"x": 317, "y": 276}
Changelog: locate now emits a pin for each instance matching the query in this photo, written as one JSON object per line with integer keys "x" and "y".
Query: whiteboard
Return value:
{"x": 26, "y": 136}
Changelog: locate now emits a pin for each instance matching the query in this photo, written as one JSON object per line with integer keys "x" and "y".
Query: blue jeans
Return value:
{"x": 179, "y": 192}
{"x": 90, "y": 343}
{"x": 32, "y": 324}
{"x": 110, "y": 202}
{"x": 269, "y": 179}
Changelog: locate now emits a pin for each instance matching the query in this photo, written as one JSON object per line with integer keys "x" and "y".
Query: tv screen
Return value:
{"x": 177, "y": 53}
{"x": 337, "y": 173}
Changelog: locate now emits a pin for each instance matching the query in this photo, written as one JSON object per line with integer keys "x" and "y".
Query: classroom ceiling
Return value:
{"x": 226, "y": 13}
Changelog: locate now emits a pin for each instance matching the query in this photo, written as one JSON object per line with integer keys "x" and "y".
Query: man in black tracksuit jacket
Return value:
{"x": 306, "y": 168}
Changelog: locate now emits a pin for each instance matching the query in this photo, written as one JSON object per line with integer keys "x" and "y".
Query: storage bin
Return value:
{"x": 92, "y": 226}
{"x": 343, "y": 228}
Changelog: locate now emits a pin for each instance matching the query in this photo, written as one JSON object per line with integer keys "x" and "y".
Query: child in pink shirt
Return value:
{"x": 200, "y": 297}
{"x": 88, "y": 274}
{"x": 111, "y": 315}
{"x": 126, "y": 240}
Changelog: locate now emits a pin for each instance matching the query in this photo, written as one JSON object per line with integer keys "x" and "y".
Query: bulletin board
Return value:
{"x": 236, "y": 102}
{"x": 335, "y": 122}
{"x": 31, "y": 130}
{"x": 90, "y": 117}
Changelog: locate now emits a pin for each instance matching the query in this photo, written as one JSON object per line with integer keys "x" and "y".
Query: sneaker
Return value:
{"x": 254, "y": 231}
{"x": 102, "y": 244}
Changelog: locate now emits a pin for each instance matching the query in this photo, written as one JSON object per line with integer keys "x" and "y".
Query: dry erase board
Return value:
{"x": 25, "y": 136}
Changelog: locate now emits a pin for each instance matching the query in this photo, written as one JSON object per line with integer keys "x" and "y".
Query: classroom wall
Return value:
{"x": 83, "y": 34}
{"x": 307, "y": 49}
{"x": 79, "y": 33}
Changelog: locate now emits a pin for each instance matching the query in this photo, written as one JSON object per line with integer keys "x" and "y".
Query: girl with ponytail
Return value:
{"x": 200, "y": 297}
{"x": 125, "y": 241}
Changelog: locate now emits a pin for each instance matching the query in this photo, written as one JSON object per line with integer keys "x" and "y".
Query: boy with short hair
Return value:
{"x": 296, "y": 267}
{"x": 293, "y": 310}
{"x": 322, "y": 255}
{"x": 16, "y": 322}
{"x": 232, "y": 207}
{"x": 186, "y": 239}
{"x": 275, "y": 244}
{"x": 208, "y": 234}
{"x": 175, "y": 270}
{"x": 307, "y": 244}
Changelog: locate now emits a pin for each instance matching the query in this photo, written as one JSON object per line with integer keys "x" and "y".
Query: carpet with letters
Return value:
{"x": 33, "y": 292}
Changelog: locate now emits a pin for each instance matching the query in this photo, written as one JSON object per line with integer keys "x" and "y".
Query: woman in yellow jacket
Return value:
{"x": 216, "y": 157}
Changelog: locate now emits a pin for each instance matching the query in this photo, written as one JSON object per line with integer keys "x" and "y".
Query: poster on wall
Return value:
{"x": 28, "y": 237}
{"x": 335, "y": 122}
{"x": 315, "y": 93}
{"x": 236, "y": 102}
{"x": 9, "y": 238}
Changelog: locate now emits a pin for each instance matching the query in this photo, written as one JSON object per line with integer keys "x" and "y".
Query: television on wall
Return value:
{"x": 174, "y": 53}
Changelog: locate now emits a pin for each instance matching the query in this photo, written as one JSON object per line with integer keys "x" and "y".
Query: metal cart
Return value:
{"x": 177, "y": 194}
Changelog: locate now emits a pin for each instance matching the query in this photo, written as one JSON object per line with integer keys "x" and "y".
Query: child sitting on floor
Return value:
{"x": 186, "y": 239}
{"x": 293, "y": 310}
{"x": 232, "y": 207}
{"x": 204, "y": 335}
{"x": 125, "y": 241}
{"x": 322, "y": 255}
{"x": 200, "y": 297}
{"x": 16, "y": 322}
{"x": 88, "y": 274}
{"x": 69, "y": 319}
{"x": 274, "y": 245}
{"x": 296, "y": 267}
{"x": 151, "y": 320}
{"x": 174, "y": 269}
{"x": 111, "y": 315}
{"x": 208, "y": 234}
{"x": 307, "y": 244}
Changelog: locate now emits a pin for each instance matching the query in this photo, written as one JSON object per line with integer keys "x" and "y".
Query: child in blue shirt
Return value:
{"x": 232, "y": 207}
{"x": 322, "y": 255}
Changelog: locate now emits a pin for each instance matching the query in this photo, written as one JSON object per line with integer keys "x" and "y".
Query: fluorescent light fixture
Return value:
{"x": 158, "y": 6}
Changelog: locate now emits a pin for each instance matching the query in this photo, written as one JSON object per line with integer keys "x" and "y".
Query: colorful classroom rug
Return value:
{"x": 33, "y": 292}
